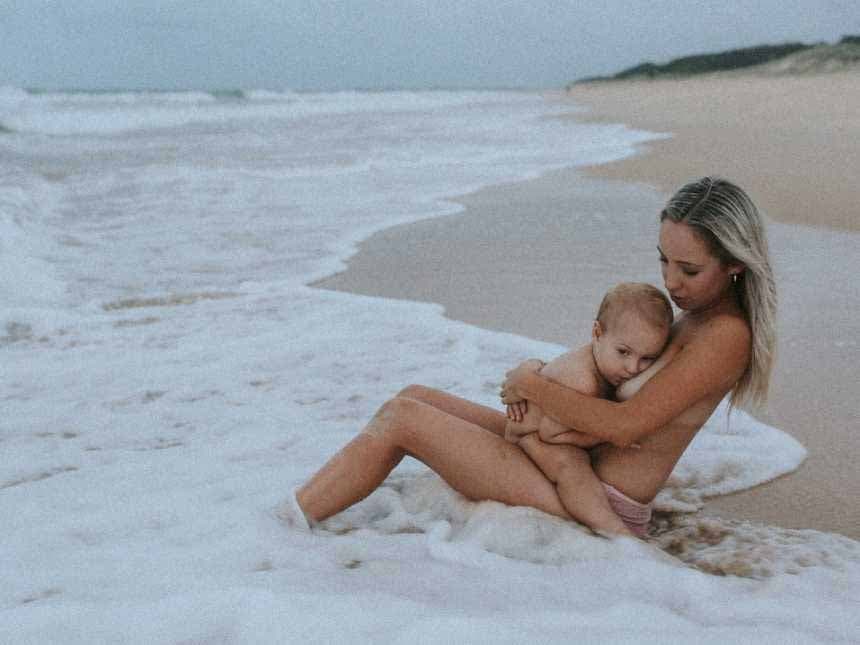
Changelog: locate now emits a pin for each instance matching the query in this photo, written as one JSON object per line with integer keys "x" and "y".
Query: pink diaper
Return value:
{"x": 635, "y": 515}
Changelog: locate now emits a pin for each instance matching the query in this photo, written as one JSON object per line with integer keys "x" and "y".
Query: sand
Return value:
{"x": 509, "y": 262}
{"x": 792, "y": 141}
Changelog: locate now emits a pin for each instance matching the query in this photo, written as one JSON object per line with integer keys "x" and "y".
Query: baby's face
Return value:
{"x": 628, "y": 347}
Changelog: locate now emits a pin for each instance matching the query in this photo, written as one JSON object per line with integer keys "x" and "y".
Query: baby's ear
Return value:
{"x": 596, "y": 330}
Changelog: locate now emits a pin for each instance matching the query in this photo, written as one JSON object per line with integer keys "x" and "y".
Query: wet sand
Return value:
{"x": 513, "y": 262}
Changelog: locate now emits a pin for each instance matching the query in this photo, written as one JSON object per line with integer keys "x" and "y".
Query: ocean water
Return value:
{"x": 168, "y": 376}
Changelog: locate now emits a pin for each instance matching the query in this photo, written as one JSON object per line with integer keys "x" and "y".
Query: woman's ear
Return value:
{"x": 736, "y": 268}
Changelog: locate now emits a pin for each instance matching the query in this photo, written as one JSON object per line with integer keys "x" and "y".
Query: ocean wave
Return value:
{"x": 27, "y": 278}
{"x": 11, "y": 93}
{"x": 106, "y": 113}
{"x": 131, "y": 97}
{"x": 269, "y": 95}
{"x": 12, "y": 100}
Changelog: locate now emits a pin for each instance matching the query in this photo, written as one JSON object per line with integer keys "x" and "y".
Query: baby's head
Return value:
{"x": 631, "y": 329}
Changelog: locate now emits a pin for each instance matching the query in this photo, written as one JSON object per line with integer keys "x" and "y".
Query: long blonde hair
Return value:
{"x": 726, "y": 219}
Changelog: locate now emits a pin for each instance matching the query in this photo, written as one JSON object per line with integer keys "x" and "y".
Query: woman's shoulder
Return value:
{"x": 706, "y": 356}
{"x": 729, "y": 327}
{"x": 719, "y": 342}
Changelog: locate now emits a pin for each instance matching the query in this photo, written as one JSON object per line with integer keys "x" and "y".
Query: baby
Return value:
{"x": 630, "y": 332}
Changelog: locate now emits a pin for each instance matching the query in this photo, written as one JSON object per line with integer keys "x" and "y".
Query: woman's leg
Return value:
{"x": 480, "y": 415}
{"x": 473, "y": 459}
{"x": 568, "y": 467}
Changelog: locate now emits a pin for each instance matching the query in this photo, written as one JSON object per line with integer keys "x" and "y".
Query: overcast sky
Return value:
{"x": 329, "y": 44}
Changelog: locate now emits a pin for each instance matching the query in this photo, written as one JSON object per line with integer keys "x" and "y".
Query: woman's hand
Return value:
{"x": 509, "y": 392}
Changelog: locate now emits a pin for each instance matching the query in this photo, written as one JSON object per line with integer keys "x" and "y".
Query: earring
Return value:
{"x": 734, "y": 278}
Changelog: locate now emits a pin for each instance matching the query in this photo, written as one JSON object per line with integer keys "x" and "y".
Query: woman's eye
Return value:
{"x": 690, "y": 273}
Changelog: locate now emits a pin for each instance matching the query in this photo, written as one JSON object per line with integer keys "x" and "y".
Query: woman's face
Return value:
{"x": 694, "y": 277}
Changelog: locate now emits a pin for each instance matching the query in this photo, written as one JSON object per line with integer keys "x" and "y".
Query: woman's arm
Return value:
{"x": 711, "y": 362}
{"x": 520, "y": 405}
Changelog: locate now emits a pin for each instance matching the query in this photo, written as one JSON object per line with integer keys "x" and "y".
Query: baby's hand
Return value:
{"x": 515, "y": 431}
{"x": 508, "y": 391}
{"x": 516, "y": 411}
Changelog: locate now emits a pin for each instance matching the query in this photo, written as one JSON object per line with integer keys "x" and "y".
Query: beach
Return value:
{"x": 170, "y": 374}
{"x": 510, "y": 261}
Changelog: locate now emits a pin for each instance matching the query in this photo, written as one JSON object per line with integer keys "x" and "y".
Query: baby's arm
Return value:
{"x": 551, "y": 431}
{"x": 573, "y": 369}
{"x": 552, "y": 459}
{"x": 530, "y": 424}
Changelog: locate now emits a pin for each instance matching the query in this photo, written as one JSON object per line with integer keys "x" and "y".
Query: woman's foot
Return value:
{"x": 291, "y": 513}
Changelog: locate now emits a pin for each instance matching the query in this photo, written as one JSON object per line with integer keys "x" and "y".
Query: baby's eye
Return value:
{"x": 623, "y": 352}
{"x": 663, "y": 259}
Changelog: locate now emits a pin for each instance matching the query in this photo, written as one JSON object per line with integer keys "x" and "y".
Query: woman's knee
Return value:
{"x": 392, "y": 418}
{"x": 416, "y": 393}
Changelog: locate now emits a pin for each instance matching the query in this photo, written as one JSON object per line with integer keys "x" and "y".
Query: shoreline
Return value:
{"x": 508, "y": 263}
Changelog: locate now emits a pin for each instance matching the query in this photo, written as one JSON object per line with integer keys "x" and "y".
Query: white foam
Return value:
{"x": 32, "y": 292}
{"x": 732, "y": 452}
{"x": 146, "y": 489}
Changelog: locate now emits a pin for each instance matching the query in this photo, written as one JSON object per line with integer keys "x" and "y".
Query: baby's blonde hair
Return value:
{"x": 648, "y": 301}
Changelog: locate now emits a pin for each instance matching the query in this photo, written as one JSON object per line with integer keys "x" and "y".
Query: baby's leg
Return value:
{"x": 581, "y": 492}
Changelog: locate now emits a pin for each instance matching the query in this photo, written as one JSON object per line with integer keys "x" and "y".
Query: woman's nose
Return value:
{"x": 670, "y": 279}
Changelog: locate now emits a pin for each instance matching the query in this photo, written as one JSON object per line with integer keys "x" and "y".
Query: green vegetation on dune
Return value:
{"x": 735, "y": 59}
{"x": 703, "y": 63}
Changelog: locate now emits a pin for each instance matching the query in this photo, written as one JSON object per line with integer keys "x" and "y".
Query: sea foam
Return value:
{"x": 32, "y": 290}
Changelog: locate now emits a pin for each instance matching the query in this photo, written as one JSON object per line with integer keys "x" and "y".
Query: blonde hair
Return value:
{"x": 726, "y": 219}
{"x": 648, "y": 301}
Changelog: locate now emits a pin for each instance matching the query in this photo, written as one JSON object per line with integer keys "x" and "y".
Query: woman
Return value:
{"x": 716, "y": 269}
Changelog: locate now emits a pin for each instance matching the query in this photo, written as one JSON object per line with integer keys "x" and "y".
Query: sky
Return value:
{"x": 381, "y": 44}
